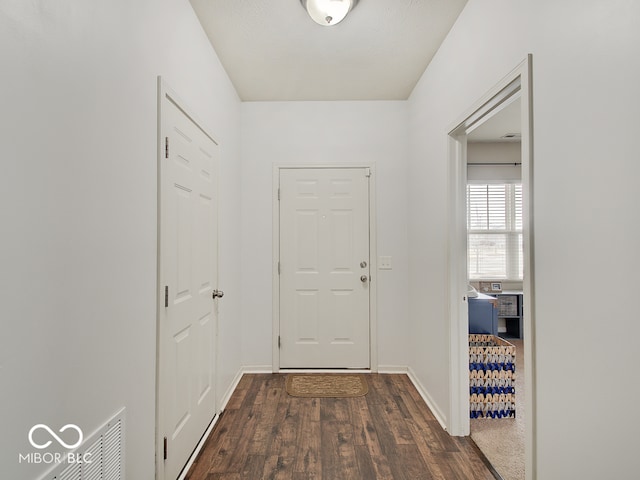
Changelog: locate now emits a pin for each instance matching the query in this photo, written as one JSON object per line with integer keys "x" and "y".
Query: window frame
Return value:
{"x": 512, "y": 233}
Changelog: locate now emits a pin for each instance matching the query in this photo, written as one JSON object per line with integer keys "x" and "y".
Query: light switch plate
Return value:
{"x": 384, "y": 263}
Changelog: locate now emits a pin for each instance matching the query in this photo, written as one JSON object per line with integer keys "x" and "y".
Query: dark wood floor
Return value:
{"x": 388, "y": 434}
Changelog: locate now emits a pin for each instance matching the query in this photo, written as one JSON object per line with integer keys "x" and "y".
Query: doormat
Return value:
{"x": 336, "y": 386}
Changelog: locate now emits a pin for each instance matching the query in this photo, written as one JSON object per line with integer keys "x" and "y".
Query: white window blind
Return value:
{"x": 494, "y": 224}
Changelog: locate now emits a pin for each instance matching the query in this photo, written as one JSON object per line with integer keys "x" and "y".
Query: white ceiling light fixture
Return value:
{"x": 328, "y": 12}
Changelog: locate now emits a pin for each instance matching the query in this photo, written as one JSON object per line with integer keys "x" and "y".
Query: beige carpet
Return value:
{"x": 338, "y": 385}
{"x": 502, "y": 440}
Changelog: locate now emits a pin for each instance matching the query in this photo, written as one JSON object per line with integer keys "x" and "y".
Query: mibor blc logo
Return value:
{"x": 55, "y": 457}
{"x": 58, "y": 439}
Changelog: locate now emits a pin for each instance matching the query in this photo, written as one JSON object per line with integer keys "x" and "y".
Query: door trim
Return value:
{"x": 164, "y": 91}
{"x": 373, "y": 285}
{"x": 516, "y": 84}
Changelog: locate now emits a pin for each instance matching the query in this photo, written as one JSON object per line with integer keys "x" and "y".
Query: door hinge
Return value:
{"x": 278, "y": 268}
{"x": 166, "y": 147}
{"x": 166, "y": 448}
{"x": 278, "y": 341}
{"x": 166, "y": 296}
{"x": 367, "y": 172}
{"x": 278, "y": 194}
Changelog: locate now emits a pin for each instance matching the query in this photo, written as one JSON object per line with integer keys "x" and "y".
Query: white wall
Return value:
{"x": 586, "y": 68}
{"x": 78, "y": 205}
{"x": 78, "y": 209}
{"x": 494, "y": 152}
{"x": 585, "y": 77}
{"x": 482, "y": 47}
{"x": 509, "y": 153}
{"x": 324, "y": 132}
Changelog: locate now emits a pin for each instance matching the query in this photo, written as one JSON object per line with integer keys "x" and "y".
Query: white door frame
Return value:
{"x": 517, "y": 84}
{"x": 164, "y": 91}
{"x": 373, "y": 272}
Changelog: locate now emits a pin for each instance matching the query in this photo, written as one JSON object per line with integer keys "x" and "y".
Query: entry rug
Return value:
{"x": 336, "y": 386}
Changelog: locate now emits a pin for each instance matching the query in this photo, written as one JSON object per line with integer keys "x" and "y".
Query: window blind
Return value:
{"x": 494, "y": 225}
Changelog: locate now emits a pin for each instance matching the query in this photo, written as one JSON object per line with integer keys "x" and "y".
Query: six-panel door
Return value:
{"x": 324, "y": 268}
{"x": 188, "y": 268}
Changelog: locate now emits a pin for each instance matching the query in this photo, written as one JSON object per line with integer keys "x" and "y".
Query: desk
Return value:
{"x": 483, "y": 314}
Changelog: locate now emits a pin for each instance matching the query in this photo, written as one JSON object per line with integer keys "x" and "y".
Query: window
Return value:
{"x": 494, "y": 225}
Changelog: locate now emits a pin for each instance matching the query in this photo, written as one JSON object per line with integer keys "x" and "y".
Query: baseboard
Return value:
{"x": 324, "y": 370}
{"x": 433, "y": 406}
{"x": 269, "y": 369}
{"x": 256, "y": 369}
{"x": 231, "y": 389}
{"x": 223, "y": 403}
{"x": 397, "y": 369}
{"x": 201, "y": 443}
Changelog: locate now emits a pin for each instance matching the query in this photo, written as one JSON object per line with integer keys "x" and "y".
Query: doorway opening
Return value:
{"x": 511, "y": 94}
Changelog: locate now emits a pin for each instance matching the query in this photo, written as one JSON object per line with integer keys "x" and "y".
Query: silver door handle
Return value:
{"x": 217, "y": 294}
{"x": 364, "y": 278}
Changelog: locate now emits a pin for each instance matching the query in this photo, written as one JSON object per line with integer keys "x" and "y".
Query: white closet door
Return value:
{"x": 189, "y": 272}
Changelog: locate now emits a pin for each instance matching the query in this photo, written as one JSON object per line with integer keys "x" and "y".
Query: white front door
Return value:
{"x": 324, "y": 268}
{"x": 188, "y": 276}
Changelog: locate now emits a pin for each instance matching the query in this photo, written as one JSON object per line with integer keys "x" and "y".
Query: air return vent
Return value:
{"x": 512, "y": 136}
{"x": 104, "y": 449}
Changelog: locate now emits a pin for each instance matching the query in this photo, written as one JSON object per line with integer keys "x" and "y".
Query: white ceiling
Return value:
{"x": 272, "y": 50}
{"x": 506, "y": 121}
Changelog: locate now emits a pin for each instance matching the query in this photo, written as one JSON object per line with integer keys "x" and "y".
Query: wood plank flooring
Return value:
{"x": 389, "y": 434}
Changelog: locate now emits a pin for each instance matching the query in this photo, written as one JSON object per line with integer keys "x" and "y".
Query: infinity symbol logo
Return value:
{"x": 58, "y": 439}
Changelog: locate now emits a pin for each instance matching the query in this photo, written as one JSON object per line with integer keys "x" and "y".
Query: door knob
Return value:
{"x": 217, "y": 294}
{"x": 364, "y": 279}
{"x": 363, "y": 264}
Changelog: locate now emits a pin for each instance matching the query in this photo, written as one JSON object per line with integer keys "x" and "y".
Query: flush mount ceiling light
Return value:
{"x": 328, "y": 12}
